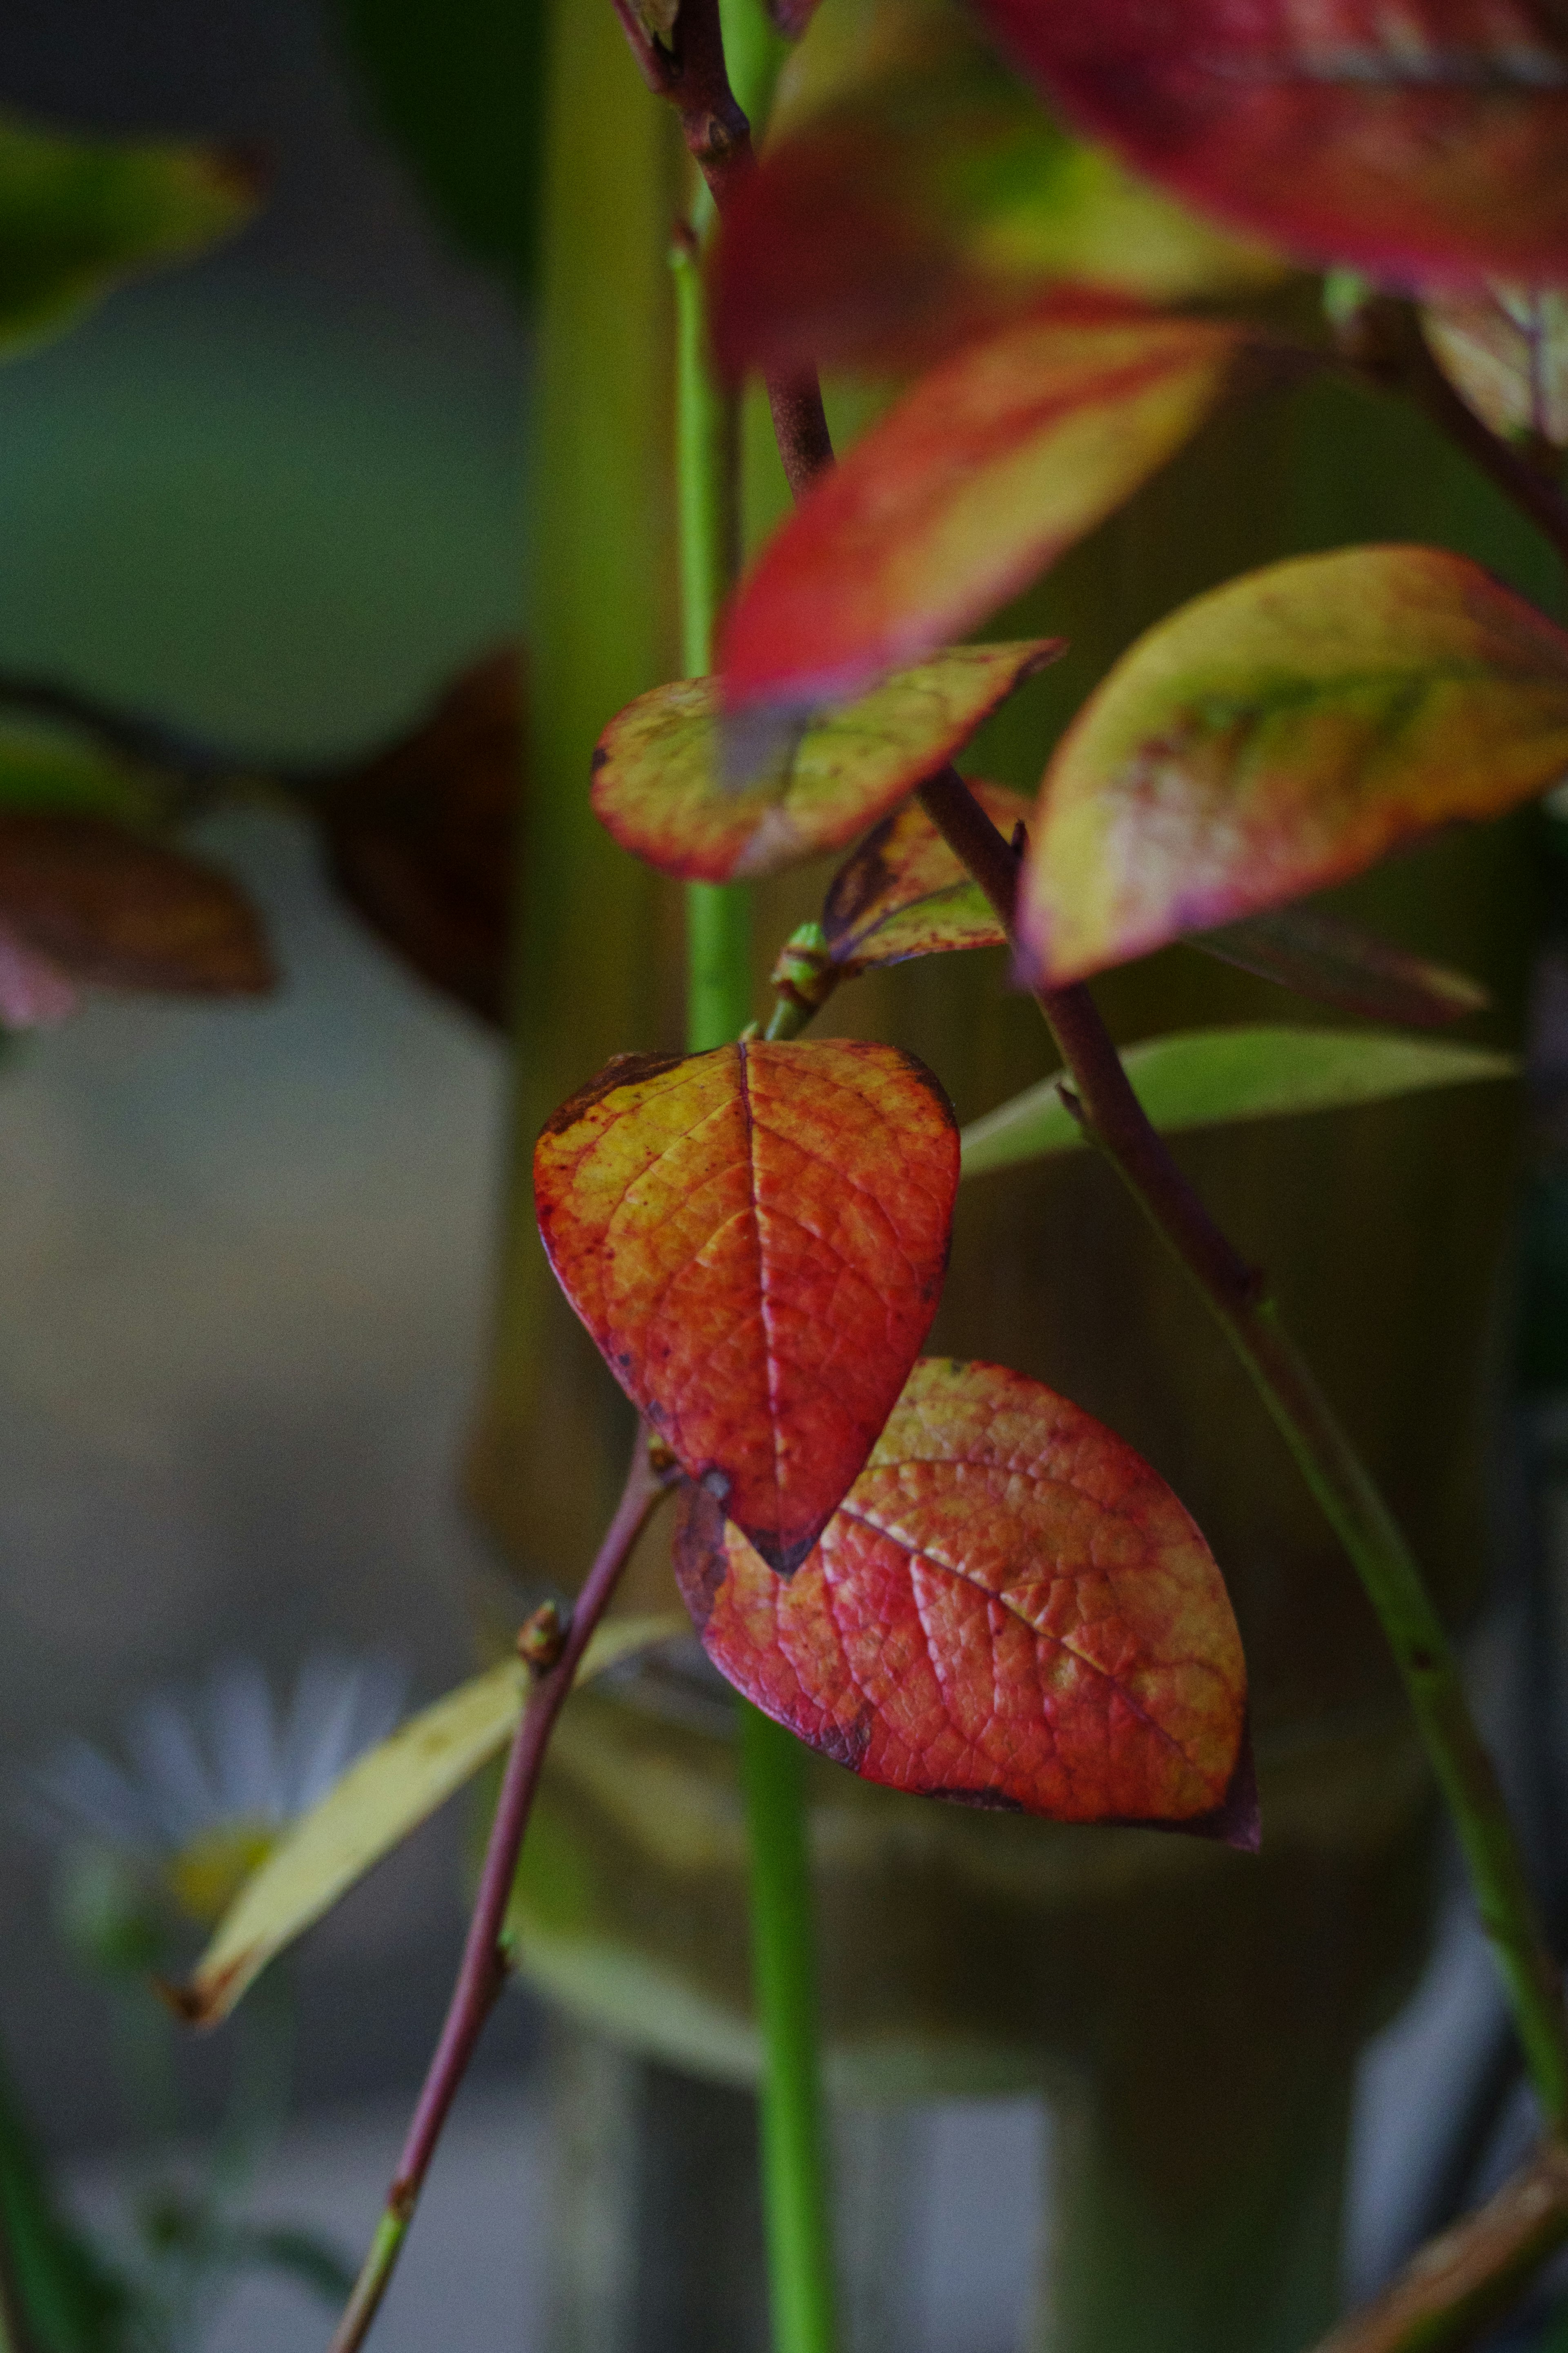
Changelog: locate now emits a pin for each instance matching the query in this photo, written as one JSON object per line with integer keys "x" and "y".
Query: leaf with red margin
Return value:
{"x": 1429, "y": 139}
{"x": 1505, "y": 351}
{"x": 1280, "y": 734}
{"x": 756, "y": 1239}
{"x": 976, "y": 480}
{"x": 660, "y": 782}
{"x": 905, "y": 893}
{"x": 1009, "y": 1607}
{"x": 929, "y": 201}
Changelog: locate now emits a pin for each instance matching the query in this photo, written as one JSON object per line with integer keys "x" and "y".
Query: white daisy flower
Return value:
{"x": 214, "y": 1774}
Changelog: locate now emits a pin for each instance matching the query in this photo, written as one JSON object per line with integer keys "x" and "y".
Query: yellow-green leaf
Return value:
{"x": 1505, "y": 351}
{"x": 379, "y": 1802}
{"x": 77, "y": 214}
{"x": 1206, "y": 1078}
{"x": 1280, "y": 734}
{"x": 662, "y": 769}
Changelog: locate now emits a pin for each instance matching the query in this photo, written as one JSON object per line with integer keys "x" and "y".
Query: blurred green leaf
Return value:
{"x": 1204, "y": 1078}
{"x": 71, "y": 2302}
{"x": 460, "y": 91}
{"x": 299, "y": 2255}
{"x": 76, "y": 215}
{"x": 50, "y": 776}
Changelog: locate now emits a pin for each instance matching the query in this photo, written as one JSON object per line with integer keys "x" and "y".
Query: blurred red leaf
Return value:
{"x": 1283, "y": 733}
{"x": 660, "y": 787}
{"x": 34, "y": 993}
{"x": 421, "y": 838}
{"x": 114, "y": 909}
{"x": 755, "y": 1239}
{"x": 1009, "y": 1606}
{"x": 1428, "y": 140}
{"x": 904, "y": 893}
{"x": 975, "y": 481}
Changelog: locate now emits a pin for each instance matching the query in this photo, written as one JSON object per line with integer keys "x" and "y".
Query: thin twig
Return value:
{"x": 689, "y": 71}
{"x": 1457, "y": 2284}
{"x": 484, "y": 1967}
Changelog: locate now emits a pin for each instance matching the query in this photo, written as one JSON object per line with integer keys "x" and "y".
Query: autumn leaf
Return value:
{"x": 115, "y": 910}
{"x": 1212, "y": 1077}
{"x": 1505, "y": 351}
{"x": 421, "y": 838}
{"x": 929, "y": 201}
{"x": 1336, "y": 963}
{"x": 1283, "y": 733}
{"x": 1009, "y": 1606}
{"x": 904, "y": 893}
{"x": 976, "y": 480}
{"x": 1429, "y": 141}
{"x": 660, "y": 769}
{"x": 379, "y": 1802}
{"x": 755, "y": 1239}
{"x": 77, "y": 214}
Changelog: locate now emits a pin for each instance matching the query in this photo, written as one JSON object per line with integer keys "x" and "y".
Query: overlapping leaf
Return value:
{"x": 1209, "y": 1078}
{"x": 1505, "y": 350}
{"x": 76, "y": 213}
{"x": 977, "y": 480}
{"x": 113, "y": 909}
{"x": 383, "y": 1796}
{"x": 1338, "y": 964}
{"x": 928, "y": 201}
{"x": 661, "y": 771}
{"x": 1280, "y": 734}
{"x": 1428, "y": 140}
{"x": 756, "y": 1239}
{"x": 904, "y": 893}
{"x": 1009, "y": 1607}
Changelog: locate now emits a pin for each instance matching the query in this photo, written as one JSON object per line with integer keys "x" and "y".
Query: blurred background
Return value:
{"x": 276, "y": 496}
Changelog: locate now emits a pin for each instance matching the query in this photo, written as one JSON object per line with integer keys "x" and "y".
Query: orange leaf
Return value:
{"x": 756, "y": 1239}
{"x": 1009, "y": 1606}
{"x": 1284, "y": 732}
{"x": 975, "y": 481}
{"x": 113, "y": 909}
{"x": 660, "y": 772}
{"x": 904, "y": 892}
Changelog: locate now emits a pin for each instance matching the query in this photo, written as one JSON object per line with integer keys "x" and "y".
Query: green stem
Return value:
{"x": 719, "y": 1004}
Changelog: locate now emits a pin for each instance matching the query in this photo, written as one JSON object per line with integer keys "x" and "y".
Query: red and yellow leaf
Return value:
{"x": 1009, "y": 1607}
{"x": 1505, "y": 351}
{"x": 905, "y": 893}
{"x": 1281, "y": 733}
{"x": 1427, "y": 141}
{"x": 929, "y": 200}
{"x": 661, "y": 782}
{"x": 756, "y": 1239}
{"x": 975, "y": 481}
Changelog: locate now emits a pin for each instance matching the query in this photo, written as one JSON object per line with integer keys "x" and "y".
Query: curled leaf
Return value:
{"x": 379, "y": 1802}
{"x": 1505, "y": 351}
{"x": 1208, "y": 1078}
{"x": 1338, "y": 964}
{"x": 905, "y": 893}
{"x": 77, "y": 214}
{"x": 1428, "y": 140}
{"x": 1280, "y": 734}
{"x": 660, "y": 782}
{"x": 120, "y": 912}
{"x": 756, "y": 1239}
{"x": 930, "y": 201}
{"x": 1009, "y": 1607}
{"x": 975, "y": 481}
{"x": 421, "y": 838}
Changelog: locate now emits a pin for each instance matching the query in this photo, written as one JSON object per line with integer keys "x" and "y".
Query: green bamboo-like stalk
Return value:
{"x": 718, "y": 961}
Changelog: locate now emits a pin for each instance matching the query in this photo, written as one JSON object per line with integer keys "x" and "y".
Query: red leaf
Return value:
{"x": 1427, "y": 139}
{"x": 756, "y": 1239}
{"x": 981, "y": 476}
{"x": 904, "y": 893}
{"x": 1284, "y": 732}
{"x": 1008, "y": 1606}
{"x": 113, "y": 909}
{"x": 660, "y": 785}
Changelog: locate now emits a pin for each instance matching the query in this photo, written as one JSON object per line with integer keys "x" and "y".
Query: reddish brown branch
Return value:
{"x": 1473, "y": 2272}
{"x": 484, "y": 1967}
